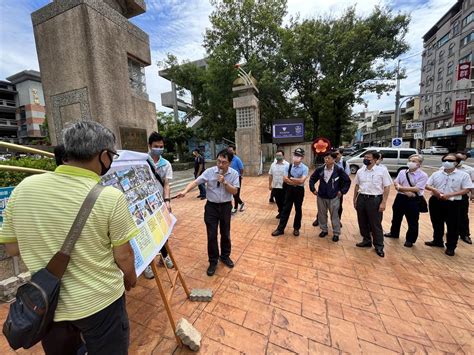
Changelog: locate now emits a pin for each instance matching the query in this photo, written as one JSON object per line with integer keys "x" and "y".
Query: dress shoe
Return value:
{"x": 389, "y": 235}
{"x": 449, "y": 252}
{"x": 335, "y": 238}
{"x": 211, "y": 270}
{"x": 296, "y": 232}
{"x": 278, "y": 216}
{"x": 408, "y": 244}
{"x": 203, "y": 197}
{"x": 364, "y": 244}
{"x": 432, "y": 243}
{"x": 466, "y": 239}
{"x": 340, "y": 224}
{"x": 316, "y": 223}
{"x": 277, "y": 232}
{"x": 380, "y": 252}
{"x": 323, "y": 234}
{"x": 227, "y": 262}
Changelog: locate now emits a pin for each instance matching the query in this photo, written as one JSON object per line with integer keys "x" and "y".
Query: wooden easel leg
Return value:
{"x": 165, "y": 301}
{"x": 181, "y": 278}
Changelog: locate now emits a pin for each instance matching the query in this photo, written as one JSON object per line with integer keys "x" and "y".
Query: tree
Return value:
{"x": 176, "y": 133}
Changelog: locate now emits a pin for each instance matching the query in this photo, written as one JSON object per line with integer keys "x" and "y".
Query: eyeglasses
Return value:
{"x": 115, "y": 155}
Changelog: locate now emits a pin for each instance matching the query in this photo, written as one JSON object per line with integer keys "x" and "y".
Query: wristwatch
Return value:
{"x": 167, "y": 200}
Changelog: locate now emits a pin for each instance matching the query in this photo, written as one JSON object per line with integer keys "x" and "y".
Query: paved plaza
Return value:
{"x": 306, "y": 294}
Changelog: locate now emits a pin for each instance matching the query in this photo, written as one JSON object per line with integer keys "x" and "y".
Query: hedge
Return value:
{"x": 8, "y": 178}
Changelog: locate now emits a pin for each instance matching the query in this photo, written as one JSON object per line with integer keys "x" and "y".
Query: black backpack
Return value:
{"x": 31, "y": 315}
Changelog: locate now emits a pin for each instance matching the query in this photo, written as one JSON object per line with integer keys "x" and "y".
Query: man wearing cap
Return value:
{"x": 297, "y": 174}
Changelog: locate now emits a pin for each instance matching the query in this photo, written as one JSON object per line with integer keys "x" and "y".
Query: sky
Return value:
{"x": 177, "y": 27}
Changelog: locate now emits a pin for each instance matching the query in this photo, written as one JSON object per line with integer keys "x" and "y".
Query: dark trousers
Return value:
{"x": 464, "y": 217}
{"x": 237, "y": 200}
{"x": 370, "y": 219}
{"x": 408, "y": 207}
{"x": 279, "y": 195}
{"x": 218, "y": 215}
{"x": 106, "y": 332}
{"x": 294, "y": 195}
{"x": 442, "y": 212}
{"x": 201, "y": 187}
{"x": 340, "y": 207}
{"x": 272, "y": 197}
{"x": 163, "y": 251}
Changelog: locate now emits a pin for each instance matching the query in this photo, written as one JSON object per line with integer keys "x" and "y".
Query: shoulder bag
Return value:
{"x": 422, "y": 205}
{"x": 32, "y": 313}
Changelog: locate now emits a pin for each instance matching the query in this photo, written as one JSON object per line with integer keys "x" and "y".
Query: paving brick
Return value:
{"x": 189, "y": 335}
{"x": 379, "y": 338}
{"x": 318, "y": 348}
{"x": 201, "y": 295}
{"x": 290, "y": 341}
{"x": 314, "y": 308}
{"x": 273, "y": 349}
{"x": 230, "y": 313}
{"x": 344, "y": 336}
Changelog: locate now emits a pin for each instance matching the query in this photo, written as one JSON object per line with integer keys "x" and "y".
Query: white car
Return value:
{"x": 436, "y": 149}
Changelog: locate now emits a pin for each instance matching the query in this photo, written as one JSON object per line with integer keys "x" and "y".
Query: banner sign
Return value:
{"x": 288, "y": 131}
{"x": 414, "y": 125}
{"x": 464, "y": 71}
{"x": 460, "y": 111}
{"x": 5, "y": 193}
{"x": 132, "y": 175}
{"x": 418, "y": 136}
{"x": 321, "y": 146}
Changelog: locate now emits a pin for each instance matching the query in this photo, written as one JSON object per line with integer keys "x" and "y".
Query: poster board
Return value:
{"x": 131, "y": 174}
{"x": 5, "y": 193}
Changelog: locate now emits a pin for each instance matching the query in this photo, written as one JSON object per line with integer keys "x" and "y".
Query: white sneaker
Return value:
{"x": 148, "y": 273}
{"x": 234, "y": 210}
{"x": 169, "y": 262}
{"x": 242, "y": 207}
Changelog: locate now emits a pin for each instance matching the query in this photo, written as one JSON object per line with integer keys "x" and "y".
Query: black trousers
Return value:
{"x": 294, "y": 195}
{"x": 408, "y": 207}
{"x": 442, "y": 212}
{"x": 163, "y": 251}
{"x": 218, "y": 215}
{"x": 279, "y": 195}
{"x": 237, "y": 200}
{"x": 370, "y": 219}
{"x": 464, "y": 217}
{"x": 106, "y": 332}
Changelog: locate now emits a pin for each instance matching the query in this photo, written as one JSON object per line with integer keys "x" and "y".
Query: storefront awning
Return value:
{"x": 445, "y": 132}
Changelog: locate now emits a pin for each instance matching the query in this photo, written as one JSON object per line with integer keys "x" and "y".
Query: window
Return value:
{"x": 405, "y": 154}
{"x": 449, "y": 84}
{"x": 466, "y": 58}
{"x": 389, "y": 154}
{"x": 468, "y": 39}
{"x": 451, "y": 49}
{"x": 439, "y": 88}
{"x": 443, "y": 40}
{"x": 468, "y": 19}
{"x": 456, "y": 28}
{"x": 450, "y": 68}
{"x": 440, "y": 73}
{"x": 441, "y": 56}
{"x": 438, "y": 106}
{"x": 136, "y": 75}
{"x": 447, "y": 105}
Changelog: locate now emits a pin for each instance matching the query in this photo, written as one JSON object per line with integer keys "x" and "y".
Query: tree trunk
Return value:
{"x": 337, "y": 111}
{"x": 315, "y": 117}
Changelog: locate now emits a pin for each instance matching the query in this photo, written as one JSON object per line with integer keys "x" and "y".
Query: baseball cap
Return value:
{"x": 299, "y": 152}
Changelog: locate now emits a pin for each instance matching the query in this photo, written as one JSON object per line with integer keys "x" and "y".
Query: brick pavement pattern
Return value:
{"x": 307, "y": 294}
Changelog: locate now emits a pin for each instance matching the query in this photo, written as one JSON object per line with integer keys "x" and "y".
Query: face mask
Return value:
{"x": 367, "y": 162}
{"x": 157, "y": 152}
{"x": 448, "y": 164}
{"x": 279, "y": 158}
{"x": 412, "y": 165}
{"x": 103, "y": 169}
{"x": 297, "y": 159}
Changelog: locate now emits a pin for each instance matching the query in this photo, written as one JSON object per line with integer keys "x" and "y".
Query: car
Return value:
{"x": 470, "y": 152}
{"x": 436, "y": 149}
{"x": 348, "y": 151}
{"x": 395, "y": 159}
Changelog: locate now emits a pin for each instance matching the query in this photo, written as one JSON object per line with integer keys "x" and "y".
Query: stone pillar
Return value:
{"x": 92, "y": 62}
{"x": 247, "y": 136}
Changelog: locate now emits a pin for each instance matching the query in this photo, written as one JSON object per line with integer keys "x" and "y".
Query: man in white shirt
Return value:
{"x": 447, "y": 187}
{"x": 464, "y": 232}
{"x": 278, "y": 170}
{"x": 372, "y": 186}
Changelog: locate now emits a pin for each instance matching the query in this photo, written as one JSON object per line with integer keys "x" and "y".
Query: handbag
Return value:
{"x": 32, "y": 313}
{"x": 422, "y": 205}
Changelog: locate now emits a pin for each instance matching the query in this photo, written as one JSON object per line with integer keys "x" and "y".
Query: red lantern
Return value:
{"x": 321, "y": 146}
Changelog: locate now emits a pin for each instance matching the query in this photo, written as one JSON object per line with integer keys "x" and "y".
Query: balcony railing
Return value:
{"x": 8, "y": 103}
{"x": 5, "y": 122}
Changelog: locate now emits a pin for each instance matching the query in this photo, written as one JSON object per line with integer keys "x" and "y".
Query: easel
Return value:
{"x": 173, "y": 279}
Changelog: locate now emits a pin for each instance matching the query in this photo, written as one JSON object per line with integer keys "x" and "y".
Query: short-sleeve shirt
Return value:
{"x": 39, "y": 215}
{"x": 454, "y": 182}
{"x": 199, "y": 162}
{"x": 216, "y": 192}
{"x": 298, "y": 171}
{"x": 346, "y": 169}
{"x": 467, "y": 169}
{"x": 418, "y": 178}
{"x": 278, "y": 171}
{"x": 164, "y": 169}
{"x": 373, "y": 181}
{"x": 237, "y": 164}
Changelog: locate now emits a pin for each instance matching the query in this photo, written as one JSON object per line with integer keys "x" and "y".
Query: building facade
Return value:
{"x": 8, "y": 124}
{"x": 447, "y": 44}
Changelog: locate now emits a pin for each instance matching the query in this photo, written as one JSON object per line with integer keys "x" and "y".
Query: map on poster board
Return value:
{"x": 131, "y": 174}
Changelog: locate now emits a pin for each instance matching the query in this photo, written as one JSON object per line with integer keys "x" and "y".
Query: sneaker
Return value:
{"x": 169, "y": 262}
{"x": 234, "y": 210}
{"x": 148, "y": 273}
{"x": 242, "y": 207}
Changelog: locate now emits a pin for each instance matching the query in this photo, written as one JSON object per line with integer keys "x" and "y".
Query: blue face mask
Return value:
{"x": 156, "y": 152}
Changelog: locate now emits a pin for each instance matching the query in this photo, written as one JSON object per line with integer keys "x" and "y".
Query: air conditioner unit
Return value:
{"x": 447, "y": 124}
{"x": 438, "y": 125}
{"x": 443, "y": 110}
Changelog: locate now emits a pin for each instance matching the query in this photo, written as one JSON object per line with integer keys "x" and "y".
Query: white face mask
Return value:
{"x": 297, "y": 159}
{"x": 412, "y": 165}
{"x": 448, "y": 165}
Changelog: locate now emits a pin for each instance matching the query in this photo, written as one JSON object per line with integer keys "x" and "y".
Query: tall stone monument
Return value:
{"x": 247, "y": 136}
{"x": 92, "y": 62}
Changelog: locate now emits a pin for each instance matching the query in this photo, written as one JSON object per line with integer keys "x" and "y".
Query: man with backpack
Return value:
{"x": 333, "y": 184}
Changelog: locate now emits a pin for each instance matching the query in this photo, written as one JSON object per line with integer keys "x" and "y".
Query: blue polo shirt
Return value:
{"x": 237, "y": 164}
{"x": 298, "y": 171}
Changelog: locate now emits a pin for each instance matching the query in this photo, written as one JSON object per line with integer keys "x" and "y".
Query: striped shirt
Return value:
{"x": 39, "y": 215}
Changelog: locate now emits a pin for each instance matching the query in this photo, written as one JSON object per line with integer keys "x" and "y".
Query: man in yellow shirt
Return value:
{"x": 37, "y": 219}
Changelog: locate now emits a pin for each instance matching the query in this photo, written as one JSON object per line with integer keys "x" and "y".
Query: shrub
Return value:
{"x": 8, "y": 178}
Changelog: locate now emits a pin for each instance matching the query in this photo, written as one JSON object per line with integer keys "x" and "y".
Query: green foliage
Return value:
{"x": 14, "y": 178}
{"x": 176, "y": 133}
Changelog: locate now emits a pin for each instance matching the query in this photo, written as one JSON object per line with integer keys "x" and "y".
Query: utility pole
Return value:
{"x": 398, "y": 121}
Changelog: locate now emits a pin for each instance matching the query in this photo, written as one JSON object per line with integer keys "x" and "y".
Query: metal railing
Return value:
{"x": 8, "y": 122}
{"x": 8, "y": 103}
